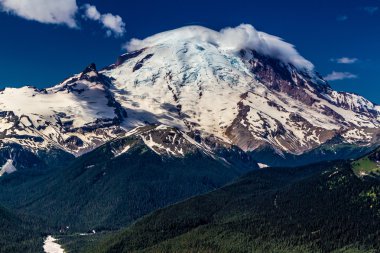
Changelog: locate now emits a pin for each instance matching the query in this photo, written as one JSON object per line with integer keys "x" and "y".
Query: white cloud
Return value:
{"x": 91, "y": 12}
{"x": 241, "y": 37}
{"x": 345, "y": 60}
{"x": 112, "y": 23}
{"x": 62, "y": 12}
{"x": 44, "y": 11}
{"x": 342, "y": 18}
{"x": 371, "y": 9}
{"x": 334, "y": 76}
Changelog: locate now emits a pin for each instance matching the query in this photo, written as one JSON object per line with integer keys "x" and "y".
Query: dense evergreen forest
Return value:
{"x": 324, "y": 207}
{"x": 100, "y": 191}
{"x": 317, "y": 208}
{"x": 21, "y": 233}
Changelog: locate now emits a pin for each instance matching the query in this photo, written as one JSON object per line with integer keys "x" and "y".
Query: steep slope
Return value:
{"x": 317, "y": 208}
{"x": 237, "y": 87}
{"x": 250, "y": 94}
{"x": 334, "y": 149}
{"x": 234, "y": 87}
{"x": 125, "y": 179}
{"x": 76, "y": 116}
{"x": 369, "y": 165}
{"x": 23, "y": 160}
{"x": 20, "y": 233}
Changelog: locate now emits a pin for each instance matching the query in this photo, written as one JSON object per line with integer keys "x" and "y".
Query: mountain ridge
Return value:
{"x": 251, "y": 92}
{"x": 124, "y": 179}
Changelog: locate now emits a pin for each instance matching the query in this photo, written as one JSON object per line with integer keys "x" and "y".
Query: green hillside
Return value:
{"x": 368, "y": 165}
{"x": 316, "y": 208}
{"x": 20, "y": 233}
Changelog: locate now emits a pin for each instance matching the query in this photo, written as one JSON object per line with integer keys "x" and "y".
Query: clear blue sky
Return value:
{"x": 33, "y": 53}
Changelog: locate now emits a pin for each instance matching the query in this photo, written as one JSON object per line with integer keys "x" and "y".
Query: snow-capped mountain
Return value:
{"x": 262, "y": 94}
{"x": 237, "y": 87}
{"x": 76, "y": 115}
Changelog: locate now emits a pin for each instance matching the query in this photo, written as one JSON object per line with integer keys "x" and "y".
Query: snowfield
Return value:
{"x": 50, "y": 245}
{"x": 190, "y": 79}
{"x": 252, "y": 91}
{"x": 7, "y": 168}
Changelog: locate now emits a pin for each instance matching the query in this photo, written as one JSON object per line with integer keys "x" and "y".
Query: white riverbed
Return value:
{"x": 50, "y": 245}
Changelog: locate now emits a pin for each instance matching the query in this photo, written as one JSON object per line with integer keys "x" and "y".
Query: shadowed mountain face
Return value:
{"x": 20, "y": 233}
{"x": 317, "y": 208}
{"x": 123, "y": 180}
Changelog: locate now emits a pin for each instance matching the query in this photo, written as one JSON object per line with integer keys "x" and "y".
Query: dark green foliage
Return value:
{"x": 102, "y": 191}
{"x": 30, "y": 163}
{"x": 317, "y": 208}
{"x": 79, "y": 241}
{"x": 20, "y": 233}
{"x": 368, "y": 166}
{"x": 329, "y": 151}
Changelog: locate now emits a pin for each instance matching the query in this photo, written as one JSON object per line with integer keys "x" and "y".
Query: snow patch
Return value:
{"x": 8, "y": 168}
{"x": 262, "y": 165}
{"x": 122, "y": 151}
{"x": 51, "y": 246}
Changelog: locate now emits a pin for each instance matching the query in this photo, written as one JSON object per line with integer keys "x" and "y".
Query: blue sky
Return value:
{"x": 337, "y": 36}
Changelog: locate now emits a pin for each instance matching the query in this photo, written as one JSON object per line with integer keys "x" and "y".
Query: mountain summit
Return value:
{"x": 240, "y": 86}
{"x": 237, "y": 87}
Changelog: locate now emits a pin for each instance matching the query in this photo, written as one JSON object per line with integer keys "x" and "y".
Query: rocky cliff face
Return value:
{"x": 76, "y": 116}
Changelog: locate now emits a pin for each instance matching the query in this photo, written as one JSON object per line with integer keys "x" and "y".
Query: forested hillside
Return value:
{"x": 317, "y": 208}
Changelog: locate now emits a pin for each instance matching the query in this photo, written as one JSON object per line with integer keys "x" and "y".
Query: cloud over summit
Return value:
{"x": 244, "y": 36}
